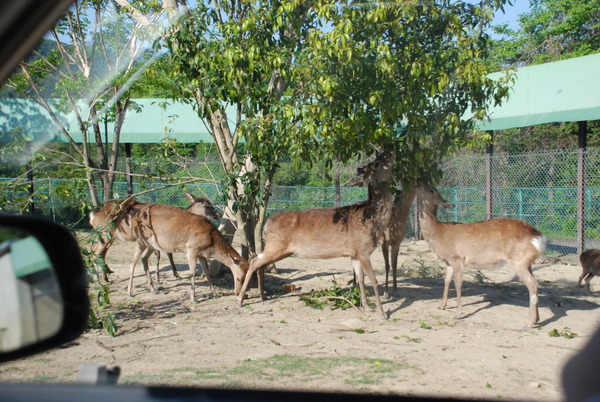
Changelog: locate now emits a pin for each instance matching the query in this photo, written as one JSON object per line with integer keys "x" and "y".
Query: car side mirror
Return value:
{"x": 43, "y": 287}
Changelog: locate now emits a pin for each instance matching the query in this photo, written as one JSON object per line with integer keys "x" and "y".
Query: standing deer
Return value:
{"x": 481, "y": 243}
{"x": 169, "y": 229}
{"x": 590, "y": 265}
{"x": 397, "y": 229}
{"x": 108, "y": 217}
{"x": 349, "y": 231}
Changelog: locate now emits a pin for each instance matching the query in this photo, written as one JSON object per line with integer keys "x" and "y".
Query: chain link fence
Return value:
{"x": 540, "y": 188}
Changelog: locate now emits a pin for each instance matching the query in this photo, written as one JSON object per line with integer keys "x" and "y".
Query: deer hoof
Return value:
{"x": 530, "y": 326}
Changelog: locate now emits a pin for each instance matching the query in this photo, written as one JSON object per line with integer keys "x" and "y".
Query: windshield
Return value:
{"x": 260, "y": 159}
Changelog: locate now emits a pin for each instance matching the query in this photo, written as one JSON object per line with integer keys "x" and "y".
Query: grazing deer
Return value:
{"x": 108, "y": 217}
{"x": 169, "y": 229}
{"x": 590, "y": 264}
{"x": 397, "y": 229}
{"x": 481, "y": 243}
{"x": 349, "y": 231}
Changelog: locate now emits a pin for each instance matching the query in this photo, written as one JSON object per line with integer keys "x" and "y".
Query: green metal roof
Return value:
{"x": 157, "y": 120}
{"x": 567, "y": 90}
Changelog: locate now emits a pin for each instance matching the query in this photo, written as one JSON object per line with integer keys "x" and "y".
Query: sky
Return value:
{"x": 511, "y": 13}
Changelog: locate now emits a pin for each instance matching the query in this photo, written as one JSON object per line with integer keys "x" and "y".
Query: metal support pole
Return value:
{"x": 489, "y": 151}
{"x": 581, "y": 171}
{"x": 128, "y": 177}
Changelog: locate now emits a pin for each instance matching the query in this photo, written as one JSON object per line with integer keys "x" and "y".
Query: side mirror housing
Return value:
{"x": 43, "y": 287}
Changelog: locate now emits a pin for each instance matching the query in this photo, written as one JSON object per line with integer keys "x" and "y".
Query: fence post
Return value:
{"x": 455, "y": 205}
{"x": 581, "y": 170}
{"x": 416, "y": 228}
{"x": 489, "y": 150}
{"x": 520, "y": 198}
{"x": 128, "y": 177}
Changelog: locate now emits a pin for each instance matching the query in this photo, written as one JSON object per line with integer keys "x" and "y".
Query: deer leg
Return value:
{"x": 588, "y": 278}
{"x": 173, "y": 267}
{"x": 256, "y": 263}
{"x": 386, "y": 258}
{"x": 394, "y": 257}
{"x": 261, "y": 282}
{"x": 191, "y": 258}
{"x": 145, "y": 258}
{"x": 157, "y": 253}
{"x": 359, "y": 276}
{"x": 368, "y": 269}
{"x": 587, "y": 275}
{"x": 204, "y": 266}
{"x": 100, "y": 250}
{"x": 524, "y": 273}
{"x": 139, "y": 249}
{"x": 447, "y": 280}
{"x": 261, "y": 260}
{"x": 458, "y": 279}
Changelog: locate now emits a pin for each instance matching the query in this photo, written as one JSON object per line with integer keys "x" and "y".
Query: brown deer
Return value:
{"x": 169, "y": 229}
{"x": 349, "y": 231}
{"x": 590, "y": 265}
{"x": 397, "y": 229}
{"x": 481, "y": 243}
{"x": 108, "y": 219}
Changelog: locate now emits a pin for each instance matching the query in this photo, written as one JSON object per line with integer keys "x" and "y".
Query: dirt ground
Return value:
{"x": 283, "y": 344}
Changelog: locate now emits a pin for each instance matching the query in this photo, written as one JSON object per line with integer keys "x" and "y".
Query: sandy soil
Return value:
{"x": 283, "y": 344}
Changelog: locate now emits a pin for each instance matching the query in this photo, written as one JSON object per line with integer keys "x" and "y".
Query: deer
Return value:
{"x": 396, "y": 232}
{"x": 349, "y": 231}
{"x": 484, "y": 243}
{"x": 108, "y": 217}
{"x": 168, "y": 229}
{"x": 590, "y": 265}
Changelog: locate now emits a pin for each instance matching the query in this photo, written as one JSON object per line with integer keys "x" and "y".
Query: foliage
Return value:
{"x": 401, "y": 73}
{"x": 101, "y": 315}
{"x": 479, "y": 276}
{"x": 85, "y": 71}
{"x": 424, "y": 325}
{"x": 552, "y": 30}
{"x": 423, "y": 269}
{"x": 564, "y": 333}
{"x": 336, "y": 296}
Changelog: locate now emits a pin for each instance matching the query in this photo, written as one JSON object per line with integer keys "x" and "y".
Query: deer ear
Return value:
{"x": 190, "y": 197}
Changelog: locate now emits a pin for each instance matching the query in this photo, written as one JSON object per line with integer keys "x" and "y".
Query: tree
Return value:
{"x": 86, "y": 71}
{"x": 553, "y": 30}
{"x": 406, "y": 73}
{"x": 320, "y": 80}
{"x": 234, "y": 59}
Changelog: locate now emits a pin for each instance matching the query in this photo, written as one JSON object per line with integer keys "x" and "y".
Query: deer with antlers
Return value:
{"x": 350, "y": 231}
{"x": 485, "y": 243}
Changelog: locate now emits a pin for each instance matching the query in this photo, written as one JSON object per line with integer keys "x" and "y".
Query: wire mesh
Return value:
{"x": 540, "y": 188}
